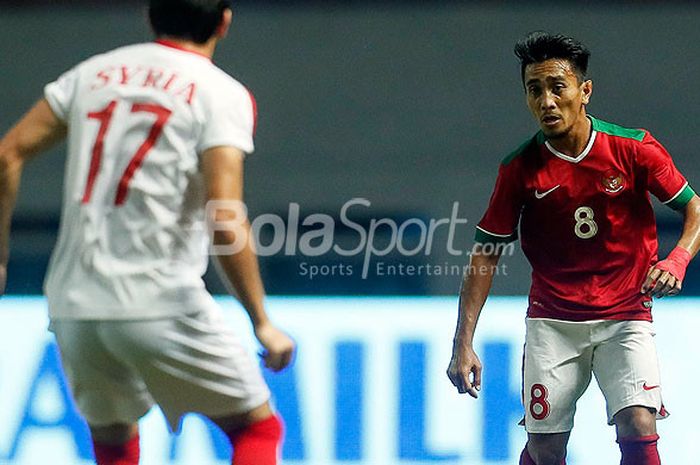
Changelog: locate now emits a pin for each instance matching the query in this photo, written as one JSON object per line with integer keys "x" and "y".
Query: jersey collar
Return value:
{"x": 581, "y": 156}
{"x": 176, "y": 46}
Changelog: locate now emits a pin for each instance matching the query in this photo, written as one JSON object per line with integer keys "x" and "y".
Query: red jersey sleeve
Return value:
{"x": 500, "y": 222}
{"x": 662, "y": 177}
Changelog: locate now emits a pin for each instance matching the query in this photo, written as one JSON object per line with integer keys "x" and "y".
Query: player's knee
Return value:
{"x": 547, "y": 457}
{"x": 116, "y": 434}
{"x": 547, "y": 449}
{"x": 233, "y": 423}
{"x": 635, "y": 421}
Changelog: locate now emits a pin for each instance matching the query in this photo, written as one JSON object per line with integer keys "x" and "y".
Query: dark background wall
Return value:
{"x": 410, "y": 105}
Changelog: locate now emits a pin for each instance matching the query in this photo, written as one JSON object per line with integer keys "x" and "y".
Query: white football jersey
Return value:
{"x": 133, "y": 242}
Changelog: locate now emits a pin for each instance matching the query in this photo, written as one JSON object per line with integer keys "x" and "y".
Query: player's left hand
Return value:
{"x": 279, "y": 348}
{"x": 661, "y": 283}
{"x": 666, "y": 277}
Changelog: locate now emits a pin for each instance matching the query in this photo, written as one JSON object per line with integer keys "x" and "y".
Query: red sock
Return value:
{"x": 525, "y": 458}
{"x": 639, "y": 451}
{"x": 258, "y": 443}
{"x": 125, "y": 454}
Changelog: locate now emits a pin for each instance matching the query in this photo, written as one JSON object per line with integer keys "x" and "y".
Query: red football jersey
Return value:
{"x": 586, "y": 223}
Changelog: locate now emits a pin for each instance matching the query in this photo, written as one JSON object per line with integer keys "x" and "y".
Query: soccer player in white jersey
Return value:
{"x": 155, "y": 131}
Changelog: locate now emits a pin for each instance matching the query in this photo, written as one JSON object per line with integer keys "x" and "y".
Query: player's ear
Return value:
{"x": 586, "y": 91}
{"x": 225, "y": 24}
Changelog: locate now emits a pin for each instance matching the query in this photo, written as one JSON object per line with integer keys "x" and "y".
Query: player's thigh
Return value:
{"x": 191, "y": 363}
{"x": 626, "y": 367}
{"x": 107, "y": 391}
{"x": 556, "y": 372}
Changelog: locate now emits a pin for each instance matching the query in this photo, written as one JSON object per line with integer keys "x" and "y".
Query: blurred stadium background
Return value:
{"x": 410, "y": 105}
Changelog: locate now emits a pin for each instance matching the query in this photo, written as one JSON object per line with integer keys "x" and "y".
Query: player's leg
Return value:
{"x": 626, "y": 367}
{"x": 635, "y": 421}
{"x": 556, "y": 373}
{"x": 255, "y": 435}
{"x": 194, "y": 363}
{"x": 636, "y": 435}
{"x": 107, "y": 393}
{"x": 546, "y": 449}
{"x": 116, "y": 444}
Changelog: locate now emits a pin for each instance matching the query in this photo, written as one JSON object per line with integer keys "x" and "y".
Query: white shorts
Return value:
{"x": 561, "y": 355}
{"x": 118, "y": 370}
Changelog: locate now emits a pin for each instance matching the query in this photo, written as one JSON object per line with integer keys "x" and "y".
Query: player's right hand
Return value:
{"x": 278, "y": 347}
{"x": 465, "y": 370}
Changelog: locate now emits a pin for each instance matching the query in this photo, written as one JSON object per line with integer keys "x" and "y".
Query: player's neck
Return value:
{"x": 206, "y": 49}
{"x": 576, "y": 140}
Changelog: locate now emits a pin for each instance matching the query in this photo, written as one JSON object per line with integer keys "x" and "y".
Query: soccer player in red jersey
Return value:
{"x": 156, "y": 134}
{"x": 579, "y": 190}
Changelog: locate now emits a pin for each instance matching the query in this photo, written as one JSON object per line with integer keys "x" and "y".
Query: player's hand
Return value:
{"x": 465, "y": 370}
{"x": 278, "y": 347}
{"x": 666, "y": 277}
{"x": 660, "y": 283}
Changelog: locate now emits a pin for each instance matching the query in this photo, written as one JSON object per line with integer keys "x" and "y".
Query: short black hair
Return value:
{"x": 194, "y": 20}
{"x": 539, "y": 46}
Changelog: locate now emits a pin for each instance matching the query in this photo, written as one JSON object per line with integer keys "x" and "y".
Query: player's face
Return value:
{"x": 555, "y": 96}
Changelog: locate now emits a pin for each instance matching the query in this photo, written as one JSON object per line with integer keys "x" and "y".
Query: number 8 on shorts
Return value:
{"x": 539, "y": 406}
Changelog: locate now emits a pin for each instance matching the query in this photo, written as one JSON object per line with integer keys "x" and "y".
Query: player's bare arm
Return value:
{"x": 223, "y": 174}
{"x": 38, "y": 130}
{"x": 666, "y": 277}
{"x": 465, "y": 367}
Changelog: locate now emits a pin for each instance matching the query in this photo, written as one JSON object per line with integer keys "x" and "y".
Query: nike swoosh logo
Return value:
{"x": 649, "y": 388}
{"x": 542, "y": 195}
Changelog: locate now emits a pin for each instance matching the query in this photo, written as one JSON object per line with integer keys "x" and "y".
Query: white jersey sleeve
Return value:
{"x": 231, "y": 122}
{"x": 60, "y": 94}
